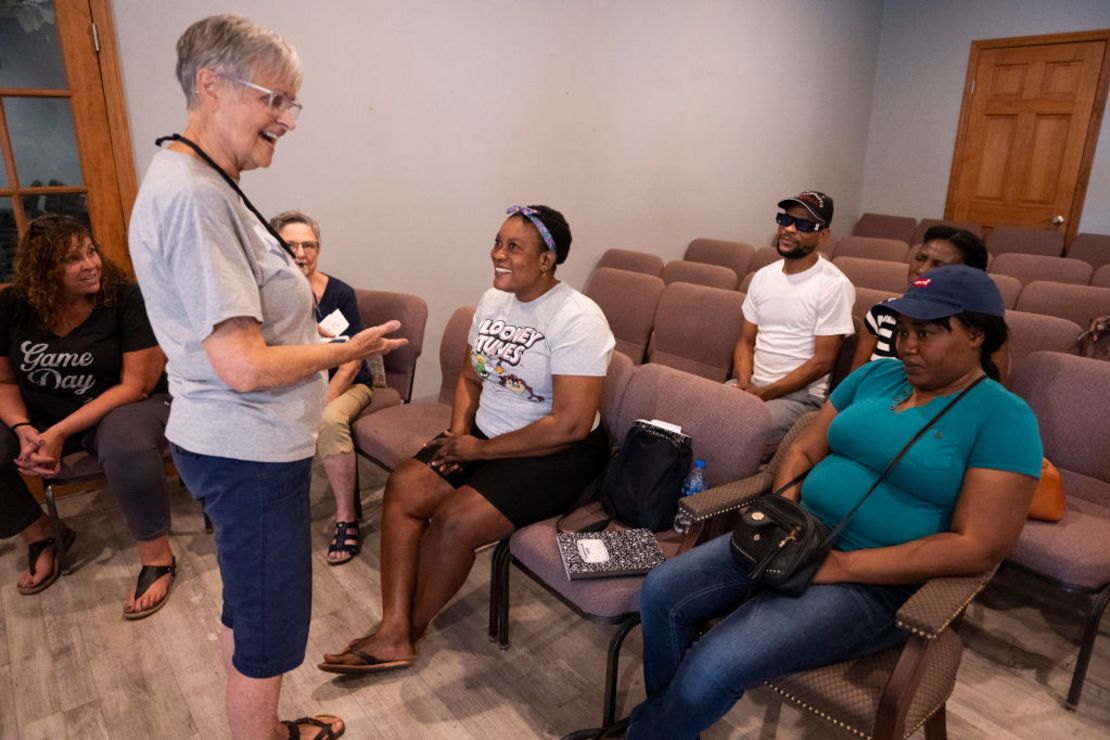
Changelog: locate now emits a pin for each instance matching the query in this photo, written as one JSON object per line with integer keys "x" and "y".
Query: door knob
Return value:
{"x": 1057, "y": 220}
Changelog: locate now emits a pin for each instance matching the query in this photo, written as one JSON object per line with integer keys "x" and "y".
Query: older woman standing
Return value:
{"x": 954, "y": 505}
{"x": 80, "y": 369}
{"x": 234, "y": 315}
{"x": 525, "y": 437}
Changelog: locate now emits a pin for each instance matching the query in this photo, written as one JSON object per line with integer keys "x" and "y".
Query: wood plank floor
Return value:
{"x": 71, "y": 667}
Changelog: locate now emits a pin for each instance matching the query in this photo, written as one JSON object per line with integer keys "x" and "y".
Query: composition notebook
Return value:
{"x": 628, "y": 552}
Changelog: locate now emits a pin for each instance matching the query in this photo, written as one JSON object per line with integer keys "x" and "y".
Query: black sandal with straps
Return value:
{"x": 341, "y": 542}
{"x": 325, "y": 733}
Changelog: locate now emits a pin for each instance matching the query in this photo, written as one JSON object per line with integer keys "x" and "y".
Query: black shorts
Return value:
{"x": 528, "y": 489}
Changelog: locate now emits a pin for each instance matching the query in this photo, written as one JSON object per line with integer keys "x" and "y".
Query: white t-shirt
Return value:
{"x": 516, "y": 347}
{"x": 791, "y": 311}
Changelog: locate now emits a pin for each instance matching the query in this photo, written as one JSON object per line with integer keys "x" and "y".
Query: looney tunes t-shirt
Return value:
{"x": 57, "y": 375}
{"x": 516, "y": 347}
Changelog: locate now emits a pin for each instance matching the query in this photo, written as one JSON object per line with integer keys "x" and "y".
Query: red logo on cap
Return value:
{"x": 922, "y": 282}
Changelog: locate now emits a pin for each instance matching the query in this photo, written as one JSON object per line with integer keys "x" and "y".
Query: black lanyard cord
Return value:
{"x": 231, "y": 182}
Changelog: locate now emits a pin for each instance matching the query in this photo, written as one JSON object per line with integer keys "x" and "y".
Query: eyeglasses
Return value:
{"x": 803, "y": 225}
{"x": 306, "y": 246}
{"x": 277, "y": 101}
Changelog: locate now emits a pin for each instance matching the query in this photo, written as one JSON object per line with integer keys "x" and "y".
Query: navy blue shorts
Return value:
{"x": 259, "y": 513}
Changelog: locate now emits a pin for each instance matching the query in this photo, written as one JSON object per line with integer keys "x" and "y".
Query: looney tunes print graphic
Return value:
{"x": 500, "y": 344}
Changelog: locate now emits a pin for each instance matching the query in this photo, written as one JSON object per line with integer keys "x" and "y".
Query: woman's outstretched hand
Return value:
{"x": 372, "y": 341}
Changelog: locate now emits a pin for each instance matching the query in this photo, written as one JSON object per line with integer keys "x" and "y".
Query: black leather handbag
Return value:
{"x": 781, "y": 545}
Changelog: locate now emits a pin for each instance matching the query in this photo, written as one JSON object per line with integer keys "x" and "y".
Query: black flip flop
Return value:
{"x": 148, "y": 574}
{"x": 35, "y": 549}
{"x": 370, "y": 664}
{"x": 325, "y": 733}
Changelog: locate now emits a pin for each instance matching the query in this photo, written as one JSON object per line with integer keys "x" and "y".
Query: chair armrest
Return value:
{"x": 725, "y": 498}
{"x": 937, "y": 603}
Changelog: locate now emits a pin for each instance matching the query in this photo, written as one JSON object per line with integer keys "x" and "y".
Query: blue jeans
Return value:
{"x": 692, "y": 682}
{"x": 260, "y": 518}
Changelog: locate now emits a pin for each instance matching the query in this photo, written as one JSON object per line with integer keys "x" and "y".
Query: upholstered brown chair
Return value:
{"x": 378, "y": 306}
{"x": 628, "y": 300}
{"x": 1101, "y": 277}
{"x": 763, "y": 257}
{"x": 1078, "y": 303}
{"x": 890, "y": 694}
{"x": 1091, "y": 248}
{"x": 883, "y": 226}
{"x": 1004, "y": 239}
{"x": 1010, "y": 288}
{"x": 874, "y": 274}
{"x": 390, "y": 435}
{"x": 699, "y": 273}
{"x": 872, "y": 248}
{"x": 1068, "y": 394}
{"x": 1030, "y": 267}
{"x": 633, "y": 261}
{"x": 728, "y": 430}
{"x": 696, "y": 329}
{"x": 1034, "y": 332}
{"x": 737, "y": 256}
{"x": 927, "y": 223}
{"x": 868, "y": 297}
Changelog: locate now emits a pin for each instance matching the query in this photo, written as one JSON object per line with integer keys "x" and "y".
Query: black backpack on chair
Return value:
{"x": 643, "y": 481}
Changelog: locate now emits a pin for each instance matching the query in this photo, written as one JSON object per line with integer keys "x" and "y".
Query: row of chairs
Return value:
{"x": 695, "y": 327}
{"x": 1089, "y": 247}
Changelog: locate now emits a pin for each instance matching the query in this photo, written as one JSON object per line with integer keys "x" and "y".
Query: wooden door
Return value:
{"x": 64, "y": 145}
{"x": 1030, "y": 118}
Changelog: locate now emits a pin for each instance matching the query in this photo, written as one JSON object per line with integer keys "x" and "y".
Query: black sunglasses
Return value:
{"x": 803, "y": 225}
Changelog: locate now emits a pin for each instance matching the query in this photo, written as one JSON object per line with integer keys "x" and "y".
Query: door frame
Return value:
{"x": 1079, "y": 196}
{"x": 94, "y": 87}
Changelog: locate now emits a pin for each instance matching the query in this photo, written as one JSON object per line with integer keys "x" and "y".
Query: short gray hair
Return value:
{"x": 283, "y": 219}
{"x": 234, "y": 47}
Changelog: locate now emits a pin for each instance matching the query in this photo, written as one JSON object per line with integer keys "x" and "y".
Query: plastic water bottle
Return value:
{"x": 694, "y": 483}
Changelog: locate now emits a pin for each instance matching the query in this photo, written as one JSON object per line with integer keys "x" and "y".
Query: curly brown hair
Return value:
{"x": 40, "y": 261}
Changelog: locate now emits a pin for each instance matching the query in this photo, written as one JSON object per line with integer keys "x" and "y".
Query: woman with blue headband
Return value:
{"x": 525, "y": 437}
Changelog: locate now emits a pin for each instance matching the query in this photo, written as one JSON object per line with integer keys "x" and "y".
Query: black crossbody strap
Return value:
{"x": 901, "y": 453}
{"x": 231, "y": 183}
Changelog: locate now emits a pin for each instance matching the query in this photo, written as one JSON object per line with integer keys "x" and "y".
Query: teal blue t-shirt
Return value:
{"x": 989, "y": 428}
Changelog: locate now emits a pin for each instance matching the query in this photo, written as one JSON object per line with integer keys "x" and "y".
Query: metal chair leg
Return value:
{"x": 503, "y": 560}
{"x": 609, "y": 711}
{"x": 358, "y": 493}
{"x": 495, "y": 595}
{"x": 1086, "y": 647}
{"x": 56, "y": 525}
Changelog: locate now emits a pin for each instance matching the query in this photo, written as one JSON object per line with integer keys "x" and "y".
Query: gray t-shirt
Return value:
{"x": 517, "y": 347}
{"x": 202, "y": 258}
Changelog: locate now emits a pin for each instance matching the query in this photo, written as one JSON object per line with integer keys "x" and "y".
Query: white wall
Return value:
{"x": 923, "y": 58}
{"x": 647, "y": 122}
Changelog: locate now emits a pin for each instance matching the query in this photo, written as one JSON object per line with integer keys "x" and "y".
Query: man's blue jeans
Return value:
{"x": 692, "y": 682}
